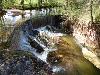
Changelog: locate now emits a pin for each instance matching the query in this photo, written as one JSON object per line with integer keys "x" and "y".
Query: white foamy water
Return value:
{"x": 51, "y": 38}
{"x": 57, "y": 69}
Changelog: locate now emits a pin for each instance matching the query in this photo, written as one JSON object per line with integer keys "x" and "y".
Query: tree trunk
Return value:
{"x": 91, "y": 10}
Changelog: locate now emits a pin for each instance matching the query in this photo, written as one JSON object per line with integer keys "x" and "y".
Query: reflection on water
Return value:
{"x": 10, "y": 19}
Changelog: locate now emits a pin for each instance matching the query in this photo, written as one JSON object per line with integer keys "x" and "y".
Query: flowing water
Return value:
{"x": 47, "y": 40}
{"x": 42, "y": 40}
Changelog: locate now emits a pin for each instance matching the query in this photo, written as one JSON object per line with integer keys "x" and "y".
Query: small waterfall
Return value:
{"x": 37, "y": 35}
{"x": 39, "y": 41}
{"x": 47, "y": 40}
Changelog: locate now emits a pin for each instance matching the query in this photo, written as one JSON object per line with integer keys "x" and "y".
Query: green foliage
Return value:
{"x": 9, "y": 3}
{"x": 70, "y": 7}
{"x": 75, "y": 7}
{"x": 96, "y": 11}
{"x": 97, "y": 18}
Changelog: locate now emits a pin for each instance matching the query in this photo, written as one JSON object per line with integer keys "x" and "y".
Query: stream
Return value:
{"x": 48, "y": 45}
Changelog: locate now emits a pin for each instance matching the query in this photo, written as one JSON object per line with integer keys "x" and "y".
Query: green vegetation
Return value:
{"x": 28, "y": 3}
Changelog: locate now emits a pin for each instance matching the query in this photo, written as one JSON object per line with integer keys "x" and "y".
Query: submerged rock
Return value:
{"x": 69, "y": 60}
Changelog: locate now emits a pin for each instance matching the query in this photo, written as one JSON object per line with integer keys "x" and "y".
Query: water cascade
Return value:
{"x": 43, "y": 39}
{"x": 47, "y": 40}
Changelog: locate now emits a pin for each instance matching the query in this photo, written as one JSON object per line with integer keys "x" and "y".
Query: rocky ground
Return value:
{"x": 21, "y": 63}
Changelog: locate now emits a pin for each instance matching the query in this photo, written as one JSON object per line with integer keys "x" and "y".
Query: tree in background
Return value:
{"x": 70, "y": 7}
